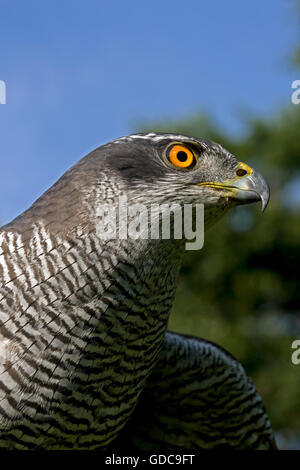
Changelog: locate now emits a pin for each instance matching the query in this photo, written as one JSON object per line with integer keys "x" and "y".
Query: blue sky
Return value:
{"x": 80, "y": 73}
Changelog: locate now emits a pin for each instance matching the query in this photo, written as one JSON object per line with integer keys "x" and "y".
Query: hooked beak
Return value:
{"x": 252, "y": 188}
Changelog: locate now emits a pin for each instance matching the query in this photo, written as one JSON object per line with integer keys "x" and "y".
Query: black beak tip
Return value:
{"x": 265, "y": 197}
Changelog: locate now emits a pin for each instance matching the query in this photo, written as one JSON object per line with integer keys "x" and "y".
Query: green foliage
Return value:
{"x": 242, "y": 289}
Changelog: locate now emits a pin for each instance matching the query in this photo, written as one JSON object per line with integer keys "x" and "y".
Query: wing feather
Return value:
{"x": 198, "y": 397}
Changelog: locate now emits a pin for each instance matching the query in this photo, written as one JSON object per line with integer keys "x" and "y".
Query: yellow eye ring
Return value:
{"x": 180, "y": 156}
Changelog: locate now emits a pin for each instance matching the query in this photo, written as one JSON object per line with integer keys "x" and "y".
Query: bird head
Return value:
{"x": 153, "y": 168}
{"x": 159, "y": 167}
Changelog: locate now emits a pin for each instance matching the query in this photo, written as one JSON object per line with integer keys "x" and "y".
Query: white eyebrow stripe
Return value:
{"x": 154, "y": 137}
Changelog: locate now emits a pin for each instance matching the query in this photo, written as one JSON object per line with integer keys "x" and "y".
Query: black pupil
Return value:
{"x": 182, "y": 156}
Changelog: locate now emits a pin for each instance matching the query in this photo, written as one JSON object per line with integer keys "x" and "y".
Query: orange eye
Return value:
{"x": 181, "y": 156}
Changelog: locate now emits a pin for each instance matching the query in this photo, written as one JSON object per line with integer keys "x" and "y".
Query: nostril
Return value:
{"x": 241, "y": 172}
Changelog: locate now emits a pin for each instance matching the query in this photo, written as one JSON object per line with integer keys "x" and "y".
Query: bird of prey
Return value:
{"x": 85, "y": 358}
